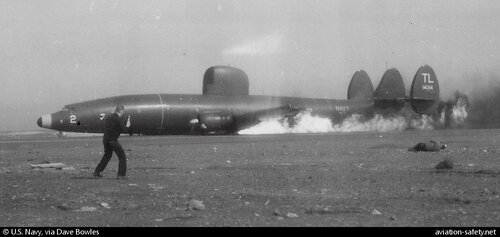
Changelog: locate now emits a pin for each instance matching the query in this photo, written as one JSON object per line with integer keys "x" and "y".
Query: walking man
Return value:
{"x": 113, "y": 127}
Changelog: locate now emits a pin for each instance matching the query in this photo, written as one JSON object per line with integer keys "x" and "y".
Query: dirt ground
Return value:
{"x": 349, "y": 179}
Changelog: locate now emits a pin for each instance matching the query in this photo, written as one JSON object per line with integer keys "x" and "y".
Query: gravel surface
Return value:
{"x": 348, "y": 179}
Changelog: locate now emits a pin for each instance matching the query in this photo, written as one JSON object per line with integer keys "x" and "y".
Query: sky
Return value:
{"x": 58, "y": 52}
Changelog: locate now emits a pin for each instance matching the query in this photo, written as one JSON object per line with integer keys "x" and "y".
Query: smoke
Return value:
{"x": 476, "y": 104}
{"x": 268, "y": 44}
{"x": 483, "y": 111}
{"x": 355, "y": 123}
{"x": 459, "y": 111}
{"x": 307, "y": 123}
{"x": 477, "y": 108}
{"x": 426, "y": 122}
{"x": 452, "y": 114}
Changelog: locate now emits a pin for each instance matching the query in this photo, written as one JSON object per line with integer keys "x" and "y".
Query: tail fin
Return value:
{"x": 390, "y": 92}
{"x": 424, "y": 94}
{"x": 360, "y": 87}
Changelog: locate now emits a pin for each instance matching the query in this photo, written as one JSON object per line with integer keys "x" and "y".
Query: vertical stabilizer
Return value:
{"x": 390, "y": 92}
{"x": 360, "y": 87}
{"x": 424, "y": 94}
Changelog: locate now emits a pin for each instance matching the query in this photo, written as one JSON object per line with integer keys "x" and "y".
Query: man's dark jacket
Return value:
{"x": 113, "y": 127}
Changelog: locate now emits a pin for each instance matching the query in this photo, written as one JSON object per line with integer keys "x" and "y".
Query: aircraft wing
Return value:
{"x": 253, "y": 118}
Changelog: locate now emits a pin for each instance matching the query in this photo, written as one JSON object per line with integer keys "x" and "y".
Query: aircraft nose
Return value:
{"x": 45, "y": 121}
{"x": 39, "y": 122}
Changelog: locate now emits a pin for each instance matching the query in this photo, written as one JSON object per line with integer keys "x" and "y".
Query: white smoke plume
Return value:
{"x": 377, "y": 123}
{"x": 424, "y": 123}
{"x": 459, "y": 111}
{"x": 307, "y": 123}
{"x": 268, "y": 44}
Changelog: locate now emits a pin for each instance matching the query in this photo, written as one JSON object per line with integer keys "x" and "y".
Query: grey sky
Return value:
{"x": 55, "y": 53}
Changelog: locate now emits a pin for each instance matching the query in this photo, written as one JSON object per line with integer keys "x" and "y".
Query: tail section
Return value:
{"x": 360, "y": 87}
{"x": 424, "y": 94}
{"x": 390, "y": 92}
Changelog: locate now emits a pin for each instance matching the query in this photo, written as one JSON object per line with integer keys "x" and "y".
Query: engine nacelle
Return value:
{"x": 218, "y": 122}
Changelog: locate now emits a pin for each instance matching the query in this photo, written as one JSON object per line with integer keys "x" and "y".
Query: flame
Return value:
{"x": 354, "y": 123}
{"x": 459, "y": 111}
{"x": 424, "y": 123}
{"x": 307, "y": 123}
{"x": 405, "y": 119}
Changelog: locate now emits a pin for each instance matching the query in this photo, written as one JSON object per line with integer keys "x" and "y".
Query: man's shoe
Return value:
{"x": 119, "y": 177}
{"x": 97, "y": 175}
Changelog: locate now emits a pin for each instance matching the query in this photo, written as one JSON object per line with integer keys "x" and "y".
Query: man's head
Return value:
{"x": 119, "y": 110}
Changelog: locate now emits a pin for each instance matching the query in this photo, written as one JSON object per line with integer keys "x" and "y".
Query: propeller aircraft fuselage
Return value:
{"x": 225, "y": 107}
